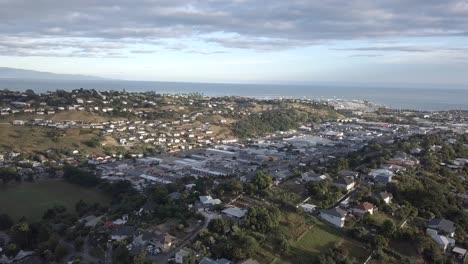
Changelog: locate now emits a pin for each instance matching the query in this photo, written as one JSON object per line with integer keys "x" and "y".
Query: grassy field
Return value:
{"x": 314, "y": 242}
{"x": 28, "y": 139}
{"x": 32, "y": 199}
{"x": 323, "y": 237}
{"x": 380, "y": 217}
{"x": 64, "y": 115}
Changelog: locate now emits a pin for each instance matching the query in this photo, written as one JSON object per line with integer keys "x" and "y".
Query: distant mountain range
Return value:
{"x": 12, "y": 73}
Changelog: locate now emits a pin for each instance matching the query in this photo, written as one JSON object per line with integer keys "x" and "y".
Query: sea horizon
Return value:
{"x": 411, "y": 98}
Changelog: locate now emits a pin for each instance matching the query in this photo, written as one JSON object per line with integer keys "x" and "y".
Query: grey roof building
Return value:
{"x": 442, "y": 224}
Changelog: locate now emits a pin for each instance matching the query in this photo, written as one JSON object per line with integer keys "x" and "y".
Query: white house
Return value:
{"x": 18, "y": 122}
{"x": 335, "y": 216}
{"x": 386, "y": 197}
{"x": 208, "y": 200}
{"x": 443, "y": 241}
{"x": 309, "y": 208}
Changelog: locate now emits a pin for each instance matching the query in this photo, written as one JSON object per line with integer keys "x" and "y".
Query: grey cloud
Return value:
{"x": 204, "y": 52}
{"x": 412, "y": 49}
{"x": 24, "y": 47}
{"x": 259, "y": 43}
{"x": 365, "y": 55}
{"x": 391, "y": 49}
{"x": 257, "y": 24}
{"x": 143, "y": 51}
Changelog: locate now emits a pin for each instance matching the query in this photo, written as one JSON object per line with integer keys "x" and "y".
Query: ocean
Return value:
{"x": 429, "y": 99}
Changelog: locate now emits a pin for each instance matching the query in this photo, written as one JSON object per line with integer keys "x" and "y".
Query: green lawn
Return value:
{"x": 32, "y": 199}
{"x": 319, "y": 238}
{"x": 380, "y": 217}
{"x": 323, "y": 237}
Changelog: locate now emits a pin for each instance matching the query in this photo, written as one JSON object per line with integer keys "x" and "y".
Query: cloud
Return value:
{"x": 54, "y": 47}
{"x": 262, "y": 44}
{"x": 263, "y": 25}
{"x": 365, "y": 55}
{"x": 392, "y": 49}
{"x": 204, "y": 52}
{"x": 143, "y": 51}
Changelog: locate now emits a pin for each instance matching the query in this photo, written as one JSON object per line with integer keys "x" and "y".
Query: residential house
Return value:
{"x": 381, "y": 175}
{"x": 383, "y": 179}
{"x": 381, "y": 172}
{"x": 165, "y": 242}
{"x": 443, "y": 225}
{"x": 234, "y": 212}
{"x": 122, "y": 233}
{"x": 90, "y": 221}
{"x": 312, "y": 176}
{"x": 348, "y": 173}
{"x": 393, "y": 168}
{"x": 363, "y": 208}
{"x": 348, "y": 183}
{"x": 335, "y": 216}
{"x": 209, "y": 201}
{"x": 441, "y": 240}
{"x": 121, "y": 221}
{"x": 18, "y": 122}
{"x": 283, "y": 174}
{"x": 459, "y": 253}
{"x": 386, "y": 197}
{"x": 403, "y": 159}
{"x": 309, "y": 208}
{"x": 143, "y": 238}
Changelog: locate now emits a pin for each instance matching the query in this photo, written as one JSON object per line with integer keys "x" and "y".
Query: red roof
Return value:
{"x": 365, "y": 206}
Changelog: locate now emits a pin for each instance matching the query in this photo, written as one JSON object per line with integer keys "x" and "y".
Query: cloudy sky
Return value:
{"x": 248, "y": 41}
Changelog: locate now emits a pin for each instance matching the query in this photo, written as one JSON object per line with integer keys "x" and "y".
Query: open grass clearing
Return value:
{"x": 31, "y": 200}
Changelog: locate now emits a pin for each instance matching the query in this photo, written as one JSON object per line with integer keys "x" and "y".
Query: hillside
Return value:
{"x": 12, "y": 73}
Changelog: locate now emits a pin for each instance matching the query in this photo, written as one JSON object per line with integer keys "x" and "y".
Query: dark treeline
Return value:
{"x": 269, "y": 121}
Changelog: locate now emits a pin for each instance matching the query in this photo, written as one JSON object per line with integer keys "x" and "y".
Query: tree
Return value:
{"x": 20, "y": 234}
{"x": 284, "y": 245}
{"x": 121, "y": 255}
{"x": 141, "y": 258}
{"x": 7, "y": 174}
{"x": 218, "y": 225}
{"x": 236, "y": 186}
{"x": 430, "y": 250}
{"x": 262, "y": 181}
{"x": 79, "y": 176}
{"x": 81, "y": 207}
{"x": 11, "y": 250}
{"x": 79, "y": 242}
{"x": 190, "y": 259}
{"x": 388, "y": 228}
{"x": 262, "y": 219}
{"x": 5, "y": 221}
{"x": 60, "y": 251}
{"x": 379, "y": 242}
{"x": 335, "y": 256}
{"x": 342, "y": 164}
